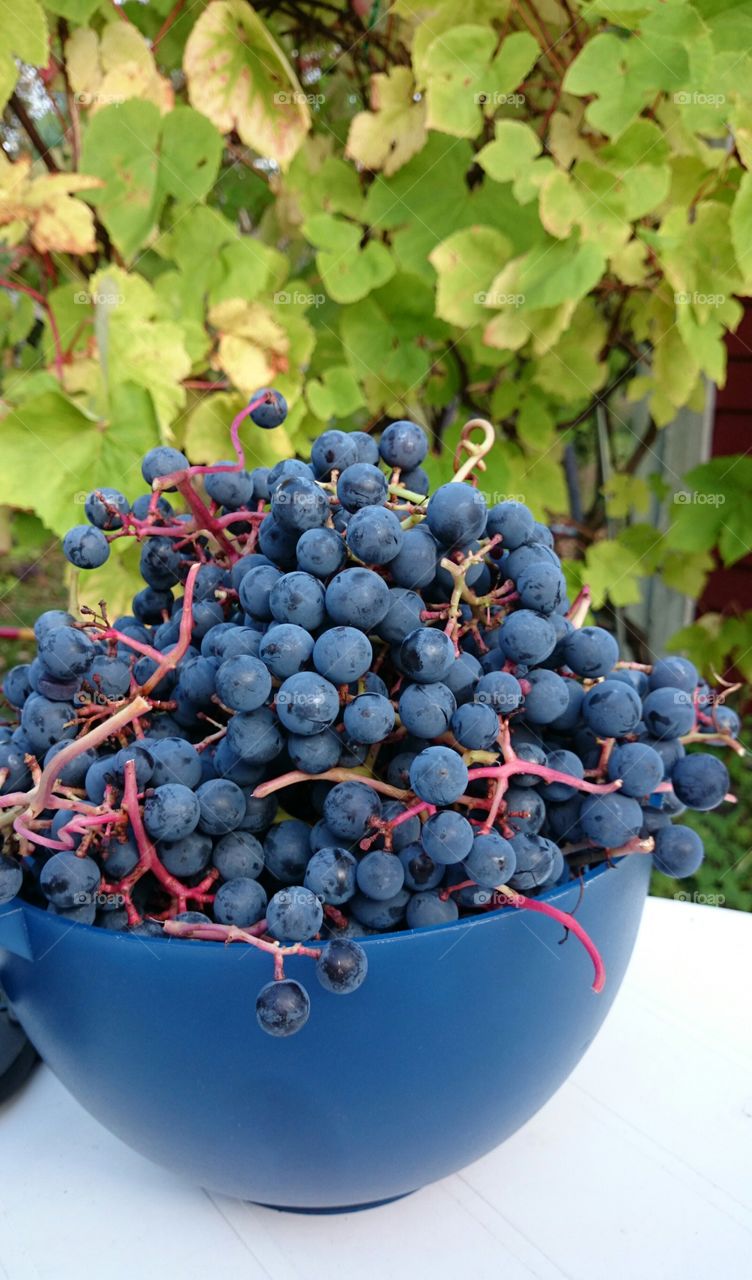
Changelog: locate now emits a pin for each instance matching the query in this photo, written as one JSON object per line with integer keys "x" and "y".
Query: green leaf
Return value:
{"x": 388, "y": 135}
{"x": 625, "y": 494}
{"x": 23, "y": 34}
{"x": 348, "y": 271}
{"x": 74, "y": 453}
{"x": 603, "y": 70}
{"x": 465, "y": 264}
{"x": 388, "y": 338}
{"x": 741, "y": 226}
{"x": 464, "y": 73}
{"x": 512, "y": 151}
{"x": 335, "y": 395}
{"x": 613, "y": 572}
{"x": 73, "y": 10}
{"x": 136, "y": 345}
{"x": 189, "y": 155}
{"x": 120, "y": 147}
{"x": 239, "y": 77}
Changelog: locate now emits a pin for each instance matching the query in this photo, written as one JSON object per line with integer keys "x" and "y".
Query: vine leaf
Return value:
{"x": 239, "y": 77}
{"x": 348, "y": 269}
{"x": 465, "y": 75}
{"x": 45, "y": 207}
{"x": 110, "y": 69}
{"x": 394, "y": 130}
{"x": 23, "y": 34}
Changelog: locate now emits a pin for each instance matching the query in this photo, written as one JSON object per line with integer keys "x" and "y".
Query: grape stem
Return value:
{"x": 231, "y": 933}
{"x": 521, "y": 902}
{"x": 476, "y": 451}
{"x": 330, "y": 775}
{"x": 169, "y": 661}
{"x": 41, "y": 796}
{"x": 580, "y": 608}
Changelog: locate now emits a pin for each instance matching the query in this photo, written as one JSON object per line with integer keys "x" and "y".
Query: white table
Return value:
{"x": 640, "y": 1167}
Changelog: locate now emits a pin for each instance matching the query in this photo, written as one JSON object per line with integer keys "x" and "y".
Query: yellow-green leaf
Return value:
{"x": 394, "y": 129}
{"x": 239, "y": 77}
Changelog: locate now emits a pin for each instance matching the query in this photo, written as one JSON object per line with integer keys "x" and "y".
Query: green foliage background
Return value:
{"x": 530, "y": 210}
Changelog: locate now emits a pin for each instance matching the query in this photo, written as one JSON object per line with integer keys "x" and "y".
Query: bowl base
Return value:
{"x": 340, "y": 1208}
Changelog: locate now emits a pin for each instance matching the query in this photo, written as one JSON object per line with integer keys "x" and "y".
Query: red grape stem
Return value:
{"x": 169, "y": 661}
{"x": 231, "y": 933}
{"x": 330, "y": 775}
{"x": 520, "y": 901}
{"x": 580, "y": 608}
{"x": 41, "y": 796}
{"x": 148, "y": 859}
{"x": 509, "y": 768}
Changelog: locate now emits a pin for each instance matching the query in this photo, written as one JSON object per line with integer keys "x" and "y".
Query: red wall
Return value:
{"x": 730, "y": 590}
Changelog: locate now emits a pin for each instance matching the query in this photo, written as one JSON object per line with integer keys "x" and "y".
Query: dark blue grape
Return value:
{"x": 69, "y": 881}
{"x": 426, "y": 709}
{"x": 241, "y": 901}
{"x": 85, "y": 547}
{"x": 162, "y": 461}
{"x": 456, "y": 514}
{"x": 357, "y": 598}
{"x": 700, "y": 781}
{"x": 171, "y": 811}
{"x": 321, "y": 552}
{"x": 287, "y": 850}
{"x": 668, "y": 712}
{"x": 679, "y": 851}
{"x": 514, "y": 521}
{"x": 332, "y": 451}
{"x": 283, "y": 1007}
{"x": 238, "y": 854}
{"x": 342, "y": 966}
{"x": 361, "y": 485}
{"x": 426, "y": 910}
{"x": 491, "y": 860}
{"x": 272, "y": 410}
{"x": 342, "y": 654}
{"x": 349, "y": 808}
{"x": 527, "y": 637}
{"x": 611, "y": 709}
{"x": 438, "y": 775}
{"x": 610, "y": 820}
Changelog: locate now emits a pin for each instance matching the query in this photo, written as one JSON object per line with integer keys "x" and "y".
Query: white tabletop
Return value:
{"x": 640, "y": 1167}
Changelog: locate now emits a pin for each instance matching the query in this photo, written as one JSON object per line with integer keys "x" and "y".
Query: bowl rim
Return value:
{"x": 486, "y": 918}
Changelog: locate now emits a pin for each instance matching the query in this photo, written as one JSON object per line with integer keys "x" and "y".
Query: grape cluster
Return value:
{"x": 404, "y": 674}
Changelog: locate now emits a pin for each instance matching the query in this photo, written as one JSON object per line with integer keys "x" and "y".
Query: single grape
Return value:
{"x": 283, "y": 1007}
{"x": 287, "y": 850}
{"x": 456, "y": 514}
{"x": 321, "y": 552}
{"x": 611, "y": 709}
{"x": 69, "y": 881}
{"x": 294, "y": 914}
{"x": 674, "y": 673}
{"x": 240, "y": 901}
{"x": 475, "y": 725}
{"x": 188, "y": 856}
{"x": 610, "y": 820}
{"x": 171, "y": 811}
{"x": 380, "y": 876}
{"x": 232, "y": 490}
{"x": 238, "y": 854}
{"x": 668, "y": 712}
{"x": 513, "y": 520}
{"x": 700, "y": 781}
{"x": 272, "y": 410}
{"x": 639, "y": 767}
{"x": 679, "y": 851}
{"x": 590, "y": 652}
{"x": 527, "y": 637}
{"x": 11, "y": 879}
{"x": 349, "y": 808}
{"x": 342, "y": 966}
{"x": 403, "y": 444}
{"x": 162, "y": 461}
{"x": 330, "y": 874}
{"x": 342, "y": 654}
{"x": 534, "y": 862}
{"x": 374, "y": 535}
{"x": 562, "y": 761}
{"x": 299, "y": 598}
{"x": 307, "y": 703}
{"x": 332, "y": 451}
{"x": 426, "y": 655}
{"x": 426, "y": 710}
{"x": 298, "y": 503}
{"x": 315, "y": 753}
{"x": 369, "y": 718}
{"x": 438, "y": 775}
{"x": 361, "y": 485}
{"x": 357, "y": 598}
{"x": 85, "y": 547}
{"x": 254, "y": 736}
{"x": 491, "y": 860}
{"x": 105, "y": 508}
{"x": 421, "y": 871}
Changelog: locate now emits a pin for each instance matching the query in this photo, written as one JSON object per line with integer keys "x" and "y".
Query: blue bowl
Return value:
{"x": 458, "y": 1035}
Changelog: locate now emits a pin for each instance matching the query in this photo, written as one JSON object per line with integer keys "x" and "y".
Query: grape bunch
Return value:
{"x": 341, "y": 705}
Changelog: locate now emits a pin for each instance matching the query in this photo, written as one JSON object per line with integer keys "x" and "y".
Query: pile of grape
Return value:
{"x": 369, "y": 709}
